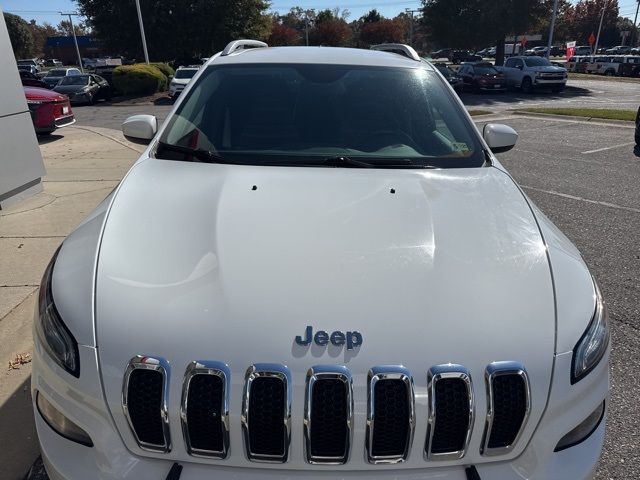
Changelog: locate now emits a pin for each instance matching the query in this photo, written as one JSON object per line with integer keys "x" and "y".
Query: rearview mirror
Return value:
{"x": 499, "y": 138}
{"x": 140, "y": 128}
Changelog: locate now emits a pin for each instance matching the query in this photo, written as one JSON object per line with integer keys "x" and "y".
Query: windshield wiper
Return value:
{"x": 202, "y": 155}
{"x": 349, "y": 162}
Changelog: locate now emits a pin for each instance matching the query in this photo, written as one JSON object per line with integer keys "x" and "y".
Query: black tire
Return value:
{"x": 610, "y": 73}
{"x": 527, "y": 85}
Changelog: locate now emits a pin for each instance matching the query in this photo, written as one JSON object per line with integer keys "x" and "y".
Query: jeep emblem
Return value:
{"x": 321, "y": 338}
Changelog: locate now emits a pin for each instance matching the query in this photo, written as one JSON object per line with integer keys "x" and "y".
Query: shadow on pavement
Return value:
{"x": 37, "y": 471}
{"x": 163, "y": 101}
{"x": 636, "y": 150}
{"x": 517, "y": 96}
{"x": 18, "y": 433}
{"x": 44, "y": 139}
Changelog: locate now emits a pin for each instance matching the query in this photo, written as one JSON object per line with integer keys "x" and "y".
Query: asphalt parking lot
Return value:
{"x": 584, "y": 176}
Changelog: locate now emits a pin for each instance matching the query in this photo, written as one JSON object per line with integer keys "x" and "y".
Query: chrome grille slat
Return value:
{"x": 449, "y": 425}
{"x": 328, "y": 440}
{"x": 496, "y": 417}
{"x": 266, "y": 378}
{"x": 148, "y": 418}
{"x": 208, "y": 434}
{"x": 387, "y": 379}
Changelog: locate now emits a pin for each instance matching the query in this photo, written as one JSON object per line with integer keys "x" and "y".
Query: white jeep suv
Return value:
{"x": 319, "y": 269}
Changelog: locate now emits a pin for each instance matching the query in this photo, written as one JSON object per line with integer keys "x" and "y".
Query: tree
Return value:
{"x": 202, "y": 27}
{"x": 330, "y": 28}
{"x": 283, "y": 35}
{"x": 584, "y": 19}
{"x": 477, "y": 23}
{"x": 371, "y": 16}
{"x": 382, "y": 31}
{"x": 40, "y": 34}
{"x": 64, "y": 28}
{"x": 20, "y": 36}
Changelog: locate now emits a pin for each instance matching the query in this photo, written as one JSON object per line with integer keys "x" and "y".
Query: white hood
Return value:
{"x": 197, "y": 264}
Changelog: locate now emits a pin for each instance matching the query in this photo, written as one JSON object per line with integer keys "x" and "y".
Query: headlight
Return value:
{"x": 594, "y": 342}
{"x": 54, "y": 335}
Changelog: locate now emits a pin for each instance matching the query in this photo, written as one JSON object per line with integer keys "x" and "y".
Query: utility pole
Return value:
{"x": 75, "y": 40}
{"x": 553, "y": 26}
{"x": 409, "y": 11}
{"x": 306, "y": 26}
{"x": 635, "y": 20}
{"x": 604, "y": 9}
{"x": 144, "y": 39}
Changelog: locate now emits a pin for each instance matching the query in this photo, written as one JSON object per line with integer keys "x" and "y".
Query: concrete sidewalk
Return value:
{"x": 83, "y": 165}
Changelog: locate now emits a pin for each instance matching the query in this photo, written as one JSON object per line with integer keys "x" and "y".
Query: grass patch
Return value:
{"x": 590, "y": 76}
{"x": 476, "y": 113}
{"x": 604, "y": 113}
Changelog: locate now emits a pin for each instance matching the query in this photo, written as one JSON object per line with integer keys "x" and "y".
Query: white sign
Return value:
{"x": 571, "y": 44}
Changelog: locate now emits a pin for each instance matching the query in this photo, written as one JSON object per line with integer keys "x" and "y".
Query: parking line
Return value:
{"x": 574, "y": 197}
{"x": 628, "y": 144}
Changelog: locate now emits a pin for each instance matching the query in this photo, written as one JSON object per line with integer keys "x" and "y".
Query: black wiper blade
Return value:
{"x": 346, "y": 162}
{"x": 202, "y": 155}
{"x": 349, "y": 162}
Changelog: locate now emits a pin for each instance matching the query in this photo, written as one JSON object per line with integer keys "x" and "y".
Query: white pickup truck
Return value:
{"x": 529, "y": 73}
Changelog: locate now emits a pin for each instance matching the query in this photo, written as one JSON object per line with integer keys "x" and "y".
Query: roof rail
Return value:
{"x": 399, "y": 48}
{"x": 241, "y": 45}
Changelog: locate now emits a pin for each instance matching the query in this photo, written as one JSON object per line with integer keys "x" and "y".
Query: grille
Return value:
{"x": 205, "y": 410}
{"x": 509, "y": 406}
{"x": 390, "y": 415}
{"x": 328, "y": 415}
{"x": 451, "y": 411}
{"x": 145, "y": 403}
{"x": 266, "y": 414}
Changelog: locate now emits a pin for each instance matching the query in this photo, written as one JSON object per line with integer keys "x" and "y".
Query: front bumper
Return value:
{"x": 175, "y": 90}
{"x": 81, "y": 400}
{"x": 548, "y": 83}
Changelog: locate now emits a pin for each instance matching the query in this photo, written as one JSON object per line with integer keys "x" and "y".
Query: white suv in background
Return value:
{"x": 180, "y": 80}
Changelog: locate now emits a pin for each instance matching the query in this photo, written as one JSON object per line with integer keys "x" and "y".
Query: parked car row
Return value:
{"x": 610, "y": 65}
{"x": 523, "y": 72}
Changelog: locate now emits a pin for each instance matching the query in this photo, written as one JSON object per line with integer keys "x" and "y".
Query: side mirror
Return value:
{"x": 519, "y": 67}
{"x": 499, "y": 138}
{"x": 140, "y": 128}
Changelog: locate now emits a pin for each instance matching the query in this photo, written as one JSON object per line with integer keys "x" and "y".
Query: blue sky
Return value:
{"x": 46, "y": 10}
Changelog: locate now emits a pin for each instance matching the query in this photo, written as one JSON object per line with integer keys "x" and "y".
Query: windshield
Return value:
{"x": 75, "y": 80}
{"x": 302, "y": 115}
{"x": 185, "y": 73}
{"x": 537, "y": 62}
{"x": 57, "y": 73}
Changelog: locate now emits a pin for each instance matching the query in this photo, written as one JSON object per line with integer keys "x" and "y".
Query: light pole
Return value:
{"x": 552, "y": 27}
{"x": 635, "y": 21}
{"x": 144, "y": 40}
{"x": 75, "y": 40}
{"x": 604, "y": 9}
{"x": 411, "y": 12}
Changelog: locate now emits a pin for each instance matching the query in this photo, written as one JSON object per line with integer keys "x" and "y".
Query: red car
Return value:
{"x": 482, "y": 76}
{"x": 49, "y": 110}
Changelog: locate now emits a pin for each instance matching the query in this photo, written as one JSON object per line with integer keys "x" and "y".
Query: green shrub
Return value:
{"x": 139, "y": 79}
{"x": 164, "y": 68}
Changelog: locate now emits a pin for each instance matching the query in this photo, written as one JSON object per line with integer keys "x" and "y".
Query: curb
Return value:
{"x": 572, "y": 117}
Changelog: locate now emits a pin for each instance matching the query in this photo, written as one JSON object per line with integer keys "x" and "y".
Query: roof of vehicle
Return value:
{"x": 318, "y": 55}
